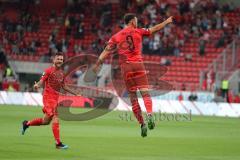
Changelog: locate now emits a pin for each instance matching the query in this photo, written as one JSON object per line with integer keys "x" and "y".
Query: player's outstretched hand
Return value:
{"x": 170, "y": 19}
{"x": 36, "y": 86}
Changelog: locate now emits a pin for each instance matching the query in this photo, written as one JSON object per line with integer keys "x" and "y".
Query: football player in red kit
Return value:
{"x": 53, "y": 81}
{"x": 128, "y": 45}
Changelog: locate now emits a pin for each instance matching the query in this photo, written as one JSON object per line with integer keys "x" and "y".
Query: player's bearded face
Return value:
{"x": 58, "y": 61}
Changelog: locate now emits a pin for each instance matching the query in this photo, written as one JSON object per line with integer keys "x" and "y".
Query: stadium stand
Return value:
{"x": 190, "y": 45}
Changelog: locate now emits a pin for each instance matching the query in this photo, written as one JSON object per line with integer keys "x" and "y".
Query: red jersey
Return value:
{"x": 53, "y": 79}
{"x": 128, "y": 43}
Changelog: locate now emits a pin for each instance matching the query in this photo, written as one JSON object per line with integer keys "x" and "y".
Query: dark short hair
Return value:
{"x": 128, "y": 17}
{"x": 59, "y": 54}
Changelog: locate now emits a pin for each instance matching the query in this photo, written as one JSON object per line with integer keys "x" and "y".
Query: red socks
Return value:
{"x": 136, "y": 107}
{"x": 55, "y": 127}
{"x": 147, "y": 102}
{"x": 137, "y": 110}
{"x": 35, "y": 122}
{"x": 55, "y": 130}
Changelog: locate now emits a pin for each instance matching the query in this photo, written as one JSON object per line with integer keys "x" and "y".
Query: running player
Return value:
{"x": 128, "y": 45}
{"x": 53, "y": 81}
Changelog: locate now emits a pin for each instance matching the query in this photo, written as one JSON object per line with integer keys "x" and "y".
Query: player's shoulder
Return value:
{"x": 120, "y": 34}
{"x": 141, "y": 29}
{"x": 49, "y": 69}
{"x": 114, "y": 36}
{"x": 123, "y": 31}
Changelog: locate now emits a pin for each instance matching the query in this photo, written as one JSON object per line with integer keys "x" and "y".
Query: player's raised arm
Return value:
{"x": 105, "y": 53}
{"x": 160, "y": 26}
{"x": 44, "y": 77}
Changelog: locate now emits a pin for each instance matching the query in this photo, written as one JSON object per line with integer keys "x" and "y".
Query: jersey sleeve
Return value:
{"x": 111, "y": 45}
{"x": 112, "y": 40}
{"x": 45, "y": 75}
{"x": 144, "y": 31}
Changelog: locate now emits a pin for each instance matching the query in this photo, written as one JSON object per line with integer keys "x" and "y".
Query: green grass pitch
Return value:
{"x": 110, "y": 138}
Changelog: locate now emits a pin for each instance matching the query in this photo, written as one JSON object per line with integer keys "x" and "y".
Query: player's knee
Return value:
{"x": 46, "y": 122}
{"x": 144, "y": 90}
{"x": 55, "y": 120}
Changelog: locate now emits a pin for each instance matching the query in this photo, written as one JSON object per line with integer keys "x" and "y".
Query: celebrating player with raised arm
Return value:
{"x": 53, "y": 79}
{"x": 128, "y": 45}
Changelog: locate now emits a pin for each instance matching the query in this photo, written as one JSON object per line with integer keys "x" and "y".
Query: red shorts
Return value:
{"x": 135, "y": 76}
{"x": 50, "y": 106}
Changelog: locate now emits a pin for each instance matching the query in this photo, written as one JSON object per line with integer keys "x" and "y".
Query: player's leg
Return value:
{"x": 136, "y": 107}
{"x": 148, "y": 104}
{"x": 137, "y": 112}
{"x": 147, "y": 100}
{"x": 48, "y": 110}
{"x": 141, "y": 80}
{"x": 131, "y": 87}
{"x": 35, "y": 122}
{"x": 56, "y": 133}
{"x": 40, "y": 121}
{"x": 127, "y": 73}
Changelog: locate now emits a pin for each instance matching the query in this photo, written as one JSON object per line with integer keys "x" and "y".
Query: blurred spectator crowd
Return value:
{"x": 192, "y": 18}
